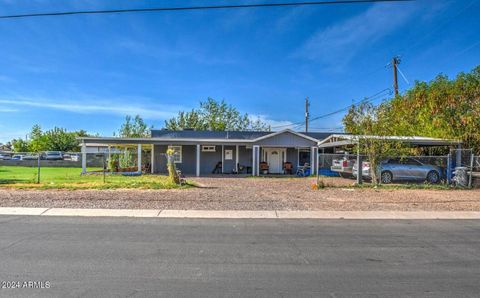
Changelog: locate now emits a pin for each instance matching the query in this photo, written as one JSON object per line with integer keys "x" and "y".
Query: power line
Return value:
{"x": 157, "y": 9}
{"x": 366, "y": 99}
{"x": 370, "y": 98}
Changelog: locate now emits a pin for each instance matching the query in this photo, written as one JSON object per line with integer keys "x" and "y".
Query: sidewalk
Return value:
{"x": 273, "y": 214}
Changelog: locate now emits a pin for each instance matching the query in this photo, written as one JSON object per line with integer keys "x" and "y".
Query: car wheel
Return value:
{"x": 386, "y": 177}
{"x": 433, "y": 177}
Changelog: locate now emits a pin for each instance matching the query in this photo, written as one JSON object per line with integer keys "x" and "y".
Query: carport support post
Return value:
{"x": 359, "y": 165}
{"x": 197, "y": 169}
{"x": 139, "y": 158}
{"x": 84, "y": 158}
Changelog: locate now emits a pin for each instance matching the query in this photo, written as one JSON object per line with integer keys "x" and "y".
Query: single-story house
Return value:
{"x": 200, "y": 152}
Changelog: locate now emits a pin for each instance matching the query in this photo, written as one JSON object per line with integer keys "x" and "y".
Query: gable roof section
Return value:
{"x": 285, "y": 131}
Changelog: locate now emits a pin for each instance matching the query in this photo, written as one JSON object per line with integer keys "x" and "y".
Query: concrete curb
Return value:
{"x": 253, "y": 214}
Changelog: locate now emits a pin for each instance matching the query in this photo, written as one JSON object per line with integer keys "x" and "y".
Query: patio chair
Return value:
{"x": 218, "y": 168}
{"x": 263, "y": 166}
{"x": 288, "y": 168}
{"x": 304, "y": 171}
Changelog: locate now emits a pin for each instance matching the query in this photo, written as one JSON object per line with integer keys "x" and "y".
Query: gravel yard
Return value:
{"x": 249, "y": 194}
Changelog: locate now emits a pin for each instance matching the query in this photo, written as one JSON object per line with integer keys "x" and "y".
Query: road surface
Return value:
{"x": 111, "y": 257}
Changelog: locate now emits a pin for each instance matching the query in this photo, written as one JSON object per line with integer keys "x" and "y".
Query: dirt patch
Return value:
{"x": 250, "y": 194}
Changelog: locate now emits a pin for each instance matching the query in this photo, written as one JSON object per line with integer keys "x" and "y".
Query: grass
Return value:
{"x": 70, "y": 178}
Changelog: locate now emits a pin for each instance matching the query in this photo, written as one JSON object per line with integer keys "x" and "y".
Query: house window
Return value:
{"x": 208, "y": 148}
{"x": 177, "y": 153}
{"x": 303, "y": 157}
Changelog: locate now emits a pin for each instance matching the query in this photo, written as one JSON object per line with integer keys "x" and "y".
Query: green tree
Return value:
{"x": 215, "y": 115}
{"x": 19, "y": 145}
{"x": 59, "y": 139}
{"x": 369, "y": 122}
{"x": 37, "y": 141}
{"x": 135, "y": 128}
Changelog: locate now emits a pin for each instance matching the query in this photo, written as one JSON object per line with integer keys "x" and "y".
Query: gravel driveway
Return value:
{"x": 249, "y": 194}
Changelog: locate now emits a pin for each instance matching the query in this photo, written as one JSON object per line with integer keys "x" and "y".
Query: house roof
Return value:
{"x": 207, "y": 134}
{"x": 204, "y": 136}
{"x": 337, "y": 140}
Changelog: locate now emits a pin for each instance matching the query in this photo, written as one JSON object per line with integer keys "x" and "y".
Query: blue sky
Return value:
{"x": 88, "y": 72}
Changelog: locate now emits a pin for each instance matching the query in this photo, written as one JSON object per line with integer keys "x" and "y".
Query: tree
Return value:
{"x": 370, "y": 124}
{"x": 20, "y": 145}
{"x": 134, "y": 129}
{"x": 215, "y": 115}
{"x": 37, "y": 140}
{"x": 58, "y": 139}
{"x": 442, "y": 108}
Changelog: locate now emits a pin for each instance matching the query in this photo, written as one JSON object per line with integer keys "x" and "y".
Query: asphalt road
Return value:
{"x": 103, "y": 257}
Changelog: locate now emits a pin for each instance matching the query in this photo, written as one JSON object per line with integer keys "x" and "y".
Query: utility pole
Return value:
{"x": 307, "y": 115}
{"x": 395, "y": 61}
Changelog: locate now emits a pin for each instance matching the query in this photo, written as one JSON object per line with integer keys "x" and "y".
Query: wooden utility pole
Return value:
{"x": 307, "y": 115}
{"x": 395, "y": 61}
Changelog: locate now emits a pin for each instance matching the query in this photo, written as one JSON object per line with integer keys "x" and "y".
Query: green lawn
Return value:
{"x": 70, "y": 178}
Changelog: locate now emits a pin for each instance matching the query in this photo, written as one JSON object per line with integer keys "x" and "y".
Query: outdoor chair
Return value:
{"x": 263, "y": 167}
{"x": 304, "y": 171}
{"x": 288, "y": 168}
{"x": 218, "y": 168}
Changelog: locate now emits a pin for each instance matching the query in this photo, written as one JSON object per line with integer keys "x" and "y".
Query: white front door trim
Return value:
{"x": 275, "y": 167}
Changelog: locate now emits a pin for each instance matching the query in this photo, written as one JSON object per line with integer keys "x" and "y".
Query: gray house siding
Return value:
{"x": 286, "y": 139}
{"x": 292, "y": 156}
{"x": 160, "y": 160}
{"x": 208, "y": 160}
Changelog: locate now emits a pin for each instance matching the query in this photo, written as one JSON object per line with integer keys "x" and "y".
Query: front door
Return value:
{"x": 274, "y": 160}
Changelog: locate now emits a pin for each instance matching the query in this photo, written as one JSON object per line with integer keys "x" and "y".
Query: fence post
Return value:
{"x": 38, "y": 168}
{"x": 472, "y": 157}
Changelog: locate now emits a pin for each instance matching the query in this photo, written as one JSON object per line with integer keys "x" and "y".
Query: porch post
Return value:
{"x": 84, "y": 158}
{"x": 223, "y": 156}
{"x": 255, "y": 160}
{"x": 312, "y": 160}
{"x": 152, "y": 159}
{"x": 197, "y": 172}
{"x": 236, "y": 159}
{"x": 109, "y": 153}
{"x": 139, "y": 158}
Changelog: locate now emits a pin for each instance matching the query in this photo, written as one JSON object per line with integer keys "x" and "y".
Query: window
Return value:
{"x": 303, "y": 157}
{"x": 177, "y": 153}
{"x": 208, "y": 148}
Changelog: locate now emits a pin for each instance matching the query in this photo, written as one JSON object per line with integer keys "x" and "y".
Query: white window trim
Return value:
{"x": 208, "y": 148}
{"x": 298, "y": 155}
{"x": 179, "y": 150}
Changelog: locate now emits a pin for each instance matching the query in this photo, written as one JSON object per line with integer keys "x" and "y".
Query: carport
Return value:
{"x": 337, "y": 141}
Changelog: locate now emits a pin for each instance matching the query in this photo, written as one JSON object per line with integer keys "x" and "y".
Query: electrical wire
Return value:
{"x": 365, "y": 100}
{"x": 185, "y": 8}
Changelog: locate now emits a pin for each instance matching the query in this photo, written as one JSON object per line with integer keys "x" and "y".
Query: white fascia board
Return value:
{"x": 283, "y": 131}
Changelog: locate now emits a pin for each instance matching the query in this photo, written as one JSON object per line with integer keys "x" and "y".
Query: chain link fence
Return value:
{"x": 49, "y": 166}
{"x": 460, "y": 168}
